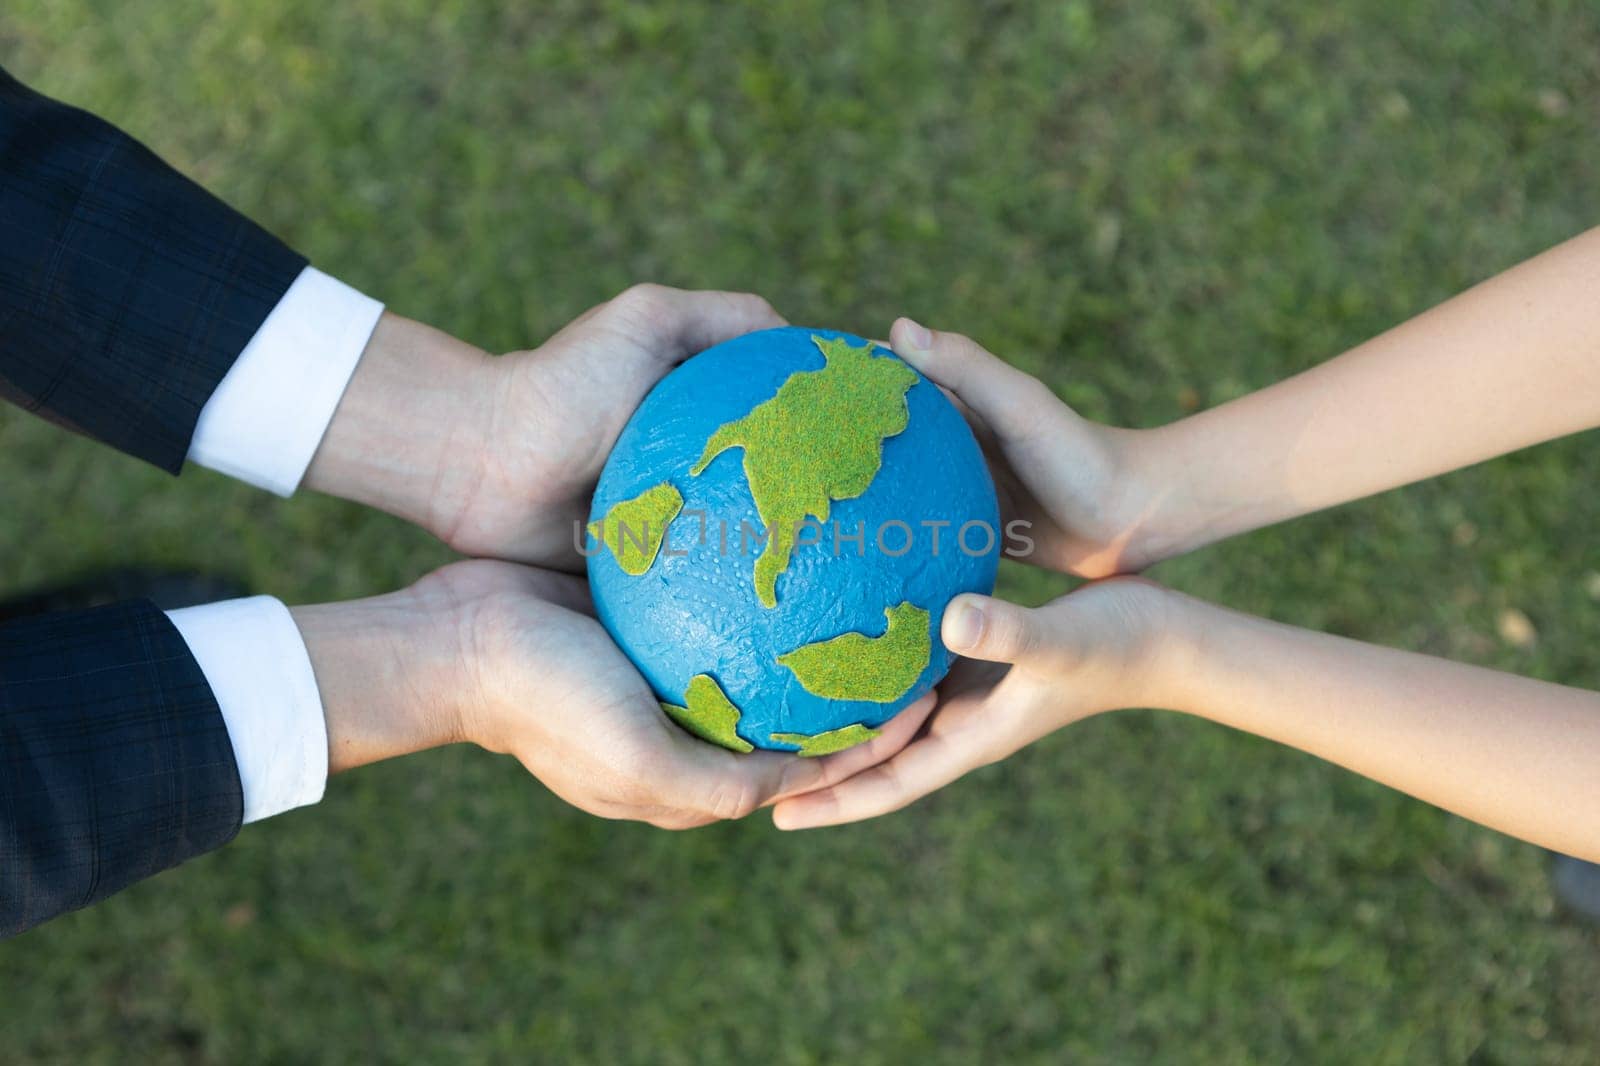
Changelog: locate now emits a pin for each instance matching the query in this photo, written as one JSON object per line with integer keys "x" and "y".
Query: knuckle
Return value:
{"x": 646, "y": 300}
{"x": 632, "y": 785}
{"x": 1008, "y": 634}
{"x": 799, "y": 775}
{"x": 956, "y": 342}
{"x": 632, "y": 795}
{"x": 761, "y": 307}
{"x": 752, "y": 301}
{"x": 631, "y": 761}
{"x": 732, "y": 800}
{"x": 971, "y": 353}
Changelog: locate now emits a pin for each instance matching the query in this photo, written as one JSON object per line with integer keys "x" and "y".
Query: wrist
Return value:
{"x": 1174, "y": 678}
{"x": 410, "y": 433}
{"x": 384, "y": 675}
{"x": 1164, "y": 490}
{"x": 1159, "y": 509}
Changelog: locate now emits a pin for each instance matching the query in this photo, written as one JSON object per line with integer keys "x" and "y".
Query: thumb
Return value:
{"x": 982, "y": 627}
{"x": 1007, "y": 399}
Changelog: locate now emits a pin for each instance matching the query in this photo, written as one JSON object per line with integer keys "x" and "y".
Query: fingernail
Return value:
{"x": 963, "y": 625}
{"x": 918, "y": 335}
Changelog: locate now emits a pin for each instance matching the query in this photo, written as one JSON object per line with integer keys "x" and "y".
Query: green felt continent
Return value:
{"x": 819, "y": 439}
{"x": 828, "y": 743}
{"x": 854, "y": 666}
{"x": 634, "y": 529}
{"x": 710, "y": 715}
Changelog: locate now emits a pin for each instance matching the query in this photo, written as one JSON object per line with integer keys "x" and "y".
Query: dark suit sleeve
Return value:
{"x": 126, "y": 290}
{"x": 115, "y": 761}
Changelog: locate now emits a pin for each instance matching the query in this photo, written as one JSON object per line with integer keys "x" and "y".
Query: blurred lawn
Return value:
{"x": 1152, "y": 209}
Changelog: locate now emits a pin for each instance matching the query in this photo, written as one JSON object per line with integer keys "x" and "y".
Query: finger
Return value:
{"x": 892, "y": 738}
{"x": 682, "y": 322}
{"x": 1007, "y": 399}
{"x": 928, "y": 763}
{"x": 896, "y": 733}
{"x": 982, "y": 627}
{"x": 703, "y": 779}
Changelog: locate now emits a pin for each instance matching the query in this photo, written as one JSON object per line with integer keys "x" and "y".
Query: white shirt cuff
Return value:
{"x": 256, "y": 663}
{"x": 266, "y": 418}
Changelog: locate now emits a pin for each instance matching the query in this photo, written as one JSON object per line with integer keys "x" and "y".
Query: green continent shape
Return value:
{"x": 818, "y": 440}
{"x": 854, "y": 666}
{"x": 634, "y": 529}
{"x": 710, "y": 715}
{"x": 828, "y": 743}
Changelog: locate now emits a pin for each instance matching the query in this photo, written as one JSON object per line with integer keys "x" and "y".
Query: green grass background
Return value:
{"x": 1153, "y": 206}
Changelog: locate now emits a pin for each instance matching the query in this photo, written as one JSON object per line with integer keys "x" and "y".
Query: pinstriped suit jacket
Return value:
{"x": 126, "y": 294}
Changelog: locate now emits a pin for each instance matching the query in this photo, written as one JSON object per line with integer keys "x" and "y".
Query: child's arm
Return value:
{"x": 1519, "y": 755}
{"x": 1510, "y": 363}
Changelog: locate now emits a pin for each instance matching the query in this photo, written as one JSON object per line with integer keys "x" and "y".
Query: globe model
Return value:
{"x": 777, "y": 532}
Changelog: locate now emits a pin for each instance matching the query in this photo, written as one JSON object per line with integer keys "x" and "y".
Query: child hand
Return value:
{"x": 1028, "y": 672}
{"x": 1075, "y": 482}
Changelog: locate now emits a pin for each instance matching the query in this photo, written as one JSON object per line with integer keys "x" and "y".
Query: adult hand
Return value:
{"x": 498, "y": 457}
{"x": 508, "y": 657}
{"x": 1027, "y": 673}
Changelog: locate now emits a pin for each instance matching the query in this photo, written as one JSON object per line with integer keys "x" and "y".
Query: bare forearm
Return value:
{"x": 1519, "y": 755}
{"x": 1512, "y": 362}
{"x": 411, "y": 426}
{"x": 383, "y": 672}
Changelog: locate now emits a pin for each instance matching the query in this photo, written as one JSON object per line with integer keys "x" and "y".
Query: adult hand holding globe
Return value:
{"x": 777, "y": 532}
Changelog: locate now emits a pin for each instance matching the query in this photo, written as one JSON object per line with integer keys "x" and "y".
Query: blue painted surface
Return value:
{"x": 695, "y": 610}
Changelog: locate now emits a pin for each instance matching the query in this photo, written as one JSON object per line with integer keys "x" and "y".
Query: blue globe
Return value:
{"x": 875, "y": 505}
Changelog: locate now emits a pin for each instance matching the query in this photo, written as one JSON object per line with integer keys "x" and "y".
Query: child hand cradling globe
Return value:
{"x": 1434, "y": 394}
